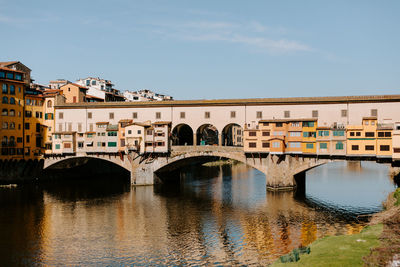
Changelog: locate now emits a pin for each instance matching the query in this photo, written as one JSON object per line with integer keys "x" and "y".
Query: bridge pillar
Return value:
{"x": 220, "y": 139}
{"x": 279, "y": 174}
{"x": 194, "y": 139}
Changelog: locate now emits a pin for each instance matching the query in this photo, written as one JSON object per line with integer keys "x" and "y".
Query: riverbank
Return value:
{"x": 376, "y": 245}
{"x": 220, "y": 163}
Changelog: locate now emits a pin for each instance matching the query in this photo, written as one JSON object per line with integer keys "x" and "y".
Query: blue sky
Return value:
{"x": 210, "y": 49}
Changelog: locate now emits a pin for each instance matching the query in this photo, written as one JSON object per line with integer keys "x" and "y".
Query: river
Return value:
{"x": 219, "y": 215}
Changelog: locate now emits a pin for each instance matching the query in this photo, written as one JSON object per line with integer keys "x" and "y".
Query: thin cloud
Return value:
{"x": 252, "y": 34}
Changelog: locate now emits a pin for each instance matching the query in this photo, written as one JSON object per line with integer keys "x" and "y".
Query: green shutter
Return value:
{"x": 323, "y": 145}
{"x": 112, "y": 144}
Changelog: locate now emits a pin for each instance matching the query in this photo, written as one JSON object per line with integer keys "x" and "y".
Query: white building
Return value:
{"x": 101, "y": 89}
{"x": 145, "y": 95}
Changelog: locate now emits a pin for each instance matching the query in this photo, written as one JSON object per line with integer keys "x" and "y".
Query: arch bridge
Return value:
{"x": 283, "y": 172}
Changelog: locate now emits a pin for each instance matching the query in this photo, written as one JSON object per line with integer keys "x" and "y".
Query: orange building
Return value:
{"x": 74, "y": 93}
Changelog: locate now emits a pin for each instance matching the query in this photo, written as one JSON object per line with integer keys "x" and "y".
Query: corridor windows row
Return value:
{"x": 6, "y": 125}
{"x": 5, "y": 100}
{"x": 6, "y": 112}
{"x": 10, "y": 75}
{"x": 9, "y": 89}
{"x": 371, "y": 147}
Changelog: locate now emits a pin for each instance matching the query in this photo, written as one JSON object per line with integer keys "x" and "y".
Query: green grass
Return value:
{"x": 342, "y": 250}
{"x": 396, "y": 195}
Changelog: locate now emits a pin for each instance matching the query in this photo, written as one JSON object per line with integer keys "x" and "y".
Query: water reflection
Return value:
{"x": 215, "y": 215}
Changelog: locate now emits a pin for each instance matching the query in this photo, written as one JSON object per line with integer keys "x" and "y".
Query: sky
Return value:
{"x": 210, "y": 49}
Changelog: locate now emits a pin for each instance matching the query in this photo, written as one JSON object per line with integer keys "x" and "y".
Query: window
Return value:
{"x": 384, "y": 147}
{"x": 265, "y": 133}
{"x": 10, "y": 75}
{"x": 207, "y": 115}
{"x": 148, "y": 144}
{"x": 259, "y": 114}
{"x": 4, "y": 112}
{"x": 297, "y": 134}
{"x": 339, "y": 146}
{"x": 352, "y": 133}
{"x": 252, "y": 144}
{"x": 369, "y": 148}
{"x": 134, "y": 115}
{"x": 344, "y": 113}
{"x": 323, "y": 133}
{"x": 112, "y": 133}
{"x": 5, "y": 89}
{"x": 87, "y": 82}
{"x": 79, "y": 127}
{"x": 80, "y": 144}
{"x": 323, "y": 145}
{"x": 158, "y": 115}
{"x": 2, "y": 74}
{"x": 279, "y": 124}
{"x": 387, "y": 134}
{"x": 354, "y": 147}
{"x": 4, "y": 100}
{"x": 61, "y": 115}
{"x": 67, "y": 145}
{"x": 129, "y": 131}
{"x": 38, "y": 127}
{"x": 27, "y": 126}
{"x": 149, "y": 132}
{"x": 309, "y": 146}
{"x": 315, "y": 113}
{"x": 338, "y": 133}
{"x": 4, "y": 125}
{"x": 12, "y": 100}
{"x": 358, "y": 133}
{"x": 19, "y": 139}
{"x": 265, "y": 144}
{"x": 182, "y": 114}
{"x": 295, "y": 124}
{"x": 252, "y": 133}
{"x": 308, "y": 124}
{"x": 286, "y": 114}
{"x": 12, "y": 89}
{"x": 265, "y": 123}
{"x": 139, "y": 131}
{"x": 396, "y": 150}
{"x": 276, "y": 144}
{"x": 93, "y": 82}
{"x": 233, "y": 114}
{"x": 374, "y": 113}
{"x": 294, "y": 144}
{"x": 28, "y": 138}
{"x": 89, "y": 115}
{"x": 369, "y": 134}
{"x": 160, "y": 144}
{"x": 111, "y": 115}
{"x": 278, "y": 133}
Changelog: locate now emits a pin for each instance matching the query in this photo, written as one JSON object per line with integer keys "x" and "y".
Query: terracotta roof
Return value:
{"x": 8, "y": 69}
{"x": 287, "y": 120}
{"x": 162, "y": 122}
{"x": 74, "y": 84}
{"x": 7, "y": 63}
{"x": 242, "y": 102}
{"x": 90, "y": 132}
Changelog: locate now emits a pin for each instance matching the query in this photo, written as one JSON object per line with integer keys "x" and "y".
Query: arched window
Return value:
{"x": 12, "y": 139}
{"x": 12, "y": 89}
{"x": 5, "y": 89}
{"x": 4, "y": 140}
{"x": 12, "y": 113}
{"x": 12, "y": 125}
{"x": 4, "y": 112}
{"x": 5, "y": 125}
{"x": 49, "y": 104}
{"x": 12, "y": 100}
{"x": 5, "y": 100}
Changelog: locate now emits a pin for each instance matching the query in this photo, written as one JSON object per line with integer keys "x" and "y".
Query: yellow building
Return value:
{"x": 50, "y": 97}
{"x": 74, "y": 93}
{"x": 309, "y": 136}
{"x": 12, "y": 107}
{"x": 361, "y": 139}
{"x": 384, "y": 141}
{"x": 33, "y": 124}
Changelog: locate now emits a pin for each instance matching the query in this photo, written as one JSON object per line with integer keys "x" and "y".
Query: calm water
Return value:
{"x": 216, "y": 215}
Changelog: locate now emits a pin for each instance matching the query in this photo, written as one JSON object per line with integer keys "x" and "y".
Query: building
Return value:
{"x": 145, "y": 95}
{"x": 396, "y": 141}
{"x": 74, "y": 93}
{"x": 361, "y": 139}
{"x": 384, "y": 147}
{"x": 100, "y": 90}
{"x": 56, "y": 84}
{"x": 34, "y": 129}
{"x": 121, "y": 134}
{"x": 50, "y": 97}
{"x": 309, "y": 136}
{"x": 12, "y": 83}
{"x": 18, "y": 66}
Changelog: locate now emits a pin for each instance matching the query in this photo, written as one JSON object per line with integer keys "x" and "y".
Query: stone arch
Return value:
{"x": 68, "y": 161}
{"x": 207, "y": 134}
{"x": 232, "y": 135}
{"x": 182, "y": 134}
